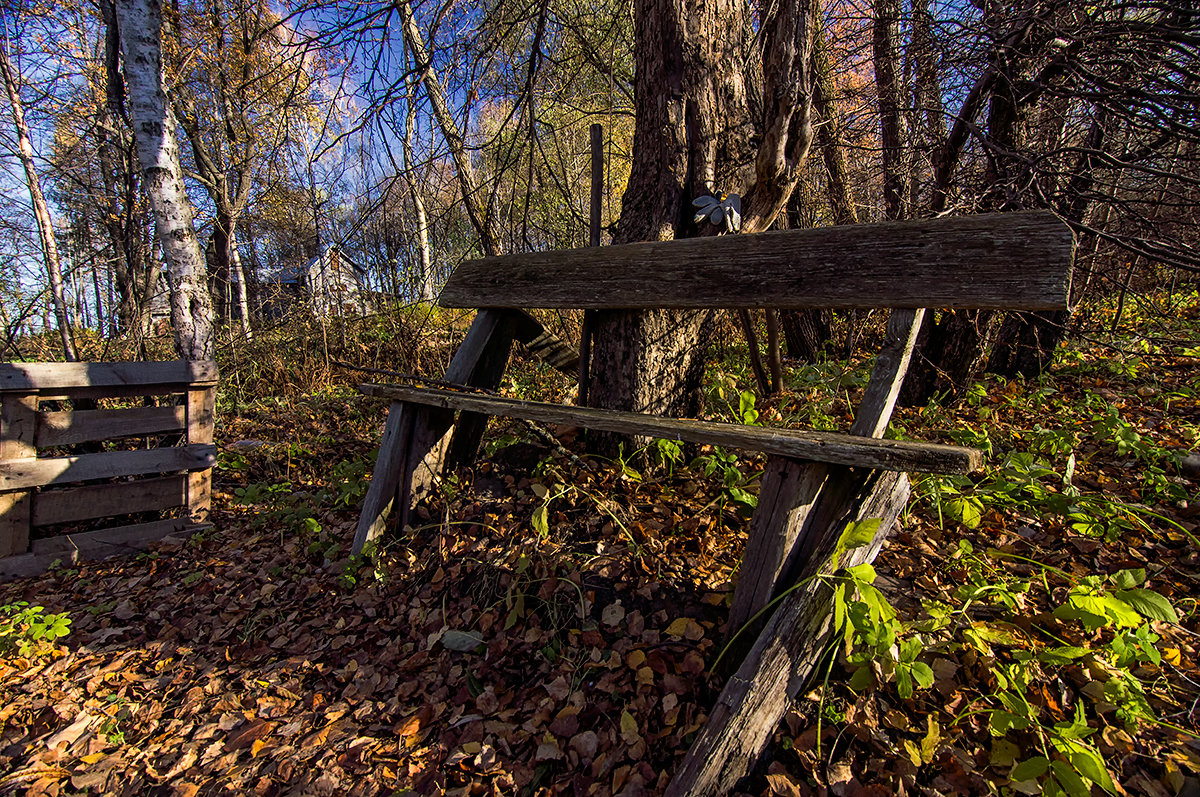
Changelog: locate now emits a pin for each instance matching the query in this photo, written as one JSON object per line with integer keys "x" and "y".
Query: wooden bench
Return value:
{"x": 814, "y": 482}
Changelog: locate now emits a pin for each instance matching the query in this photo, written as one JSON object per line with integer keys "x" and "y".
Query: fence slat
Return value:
{"x": 115, "y": 541}
{"x": 18, "y": 425}
{"x": 68, "y": 428}
{"x": 18, "y": 474}
{"x": 103, "y": 500}
{"x": 201, "y": 410}
{"x": 27, "y": 377}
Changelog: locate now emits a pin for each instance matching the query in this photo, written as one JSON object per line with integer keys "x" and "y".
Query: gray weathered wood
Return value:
{"x": 479, "y": 361}
{"x": 544, "y": 344}
{"x": 18, "y": 429}
{"x": 23, "y": 473}
{"x": 201, "y": 418}
{"x": 755, "y": 699}
{"x": 68, "y": 428}
{"x": 115, "y": 541}
{"x": 1000, "y": 261}
{"x": 18, "y": 426}
{"x": 201, "y": 413}
{"x": 483, "y": 370}
{"x": 787, "y": 491}
{"x": 800, "y": 501}
{"x": 796, "y": 443}
{"x": 103, "y": 500}
{"x": 15, "y": 511}
{"x": 24, "y": 377}
{"x": 30, "y": 564}
{"x": 390, "y": 467}
{"x": 887, "y": 375}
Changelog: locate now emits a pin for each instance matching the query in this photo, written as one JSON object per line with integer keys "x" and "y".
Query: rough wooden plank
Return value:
{"x": 68, "y": 428}
{"x": 115, "y": 541}
{"x": 199, "y": 495}
{"x": 30, "y": 564}
{"x": 787, "y": 491}
{"x": 23, "y": 473}
{"x": 887, "y": 375}
{"x": 18, "y": 426}
{"x": 65, "y": 376}
{"x": 105, "y": 500}
{"x": 998, "y": 261}
{"x": 799, "y": 500}
{"x": 201, "y": 411}
{"x": 755, "y": 699}
{"x": 18, "y": 429}
{"x": 492, "y": 340}
{"x": 115, "y": 391}
{"x": 795, "y": 443}
{"x": 544, "y": 344}
{"x": 14, "y": 522}
{"x": 390, "y": 466}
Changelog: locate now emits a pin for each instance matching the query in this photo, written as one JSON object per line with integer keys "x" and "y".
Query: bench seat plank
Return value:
{"x": 1008, "y": 261}
{"x": 831, "y": 447}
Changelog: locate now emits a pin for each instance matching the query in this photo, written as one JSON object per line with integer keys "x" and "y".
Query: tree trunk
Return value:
{"x": 41, "y": 210}
{"x": 140, "y": 23}
{"x": 1025, "y": 342}
{"x": 691, "y": 137}
{"x": 955, "y": 349}
{"x": 477, "y": 210}
{"x": 425, "y": 291}
{"x": 688, "y": 85}
{"x": 829, "y": 135}
{"x": 239, "y": 274}
{"x": 807, "y": 331}
{"x": 886, "y": 55}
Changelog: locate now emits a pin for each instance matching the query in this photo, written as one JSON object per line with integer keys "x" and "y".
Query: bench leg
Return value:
{"x": 390, "y": 466}
{"x": 782, "y": 660}
{"x": 802, "y": 502}
{"x": 419, "y": 442}
{"x": 789, "y": 490}
{"x": 479, "y": 362}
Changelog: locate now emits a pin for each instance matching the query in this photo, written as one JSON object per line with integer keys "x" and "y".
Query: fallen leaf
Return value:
{"x": 246, "y": 735}
{"x": 782, "y": 786}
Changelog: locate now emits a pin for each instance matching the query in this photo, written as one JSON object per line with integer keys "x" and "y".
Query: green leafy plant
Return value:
{"x": 733, "y": 481}
{"x": 28, "y": 631}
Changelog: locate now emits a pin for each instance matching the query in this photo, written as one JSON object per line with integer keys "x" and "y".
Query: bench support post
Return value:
{"x": 803, "y": 509}
{"x": 756, "y": 697}
{"x": 799, "y": 502}
{"x": 417, "y": 441}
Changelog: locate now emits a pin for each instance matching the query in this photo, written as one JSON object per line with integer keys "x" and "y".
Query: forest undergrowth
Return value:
{"x": 551, "y": 623}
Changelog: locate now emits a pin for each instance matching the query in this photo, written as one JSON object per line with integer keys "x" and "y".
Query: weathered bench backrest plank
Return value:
{"x": 1017, "y": 261}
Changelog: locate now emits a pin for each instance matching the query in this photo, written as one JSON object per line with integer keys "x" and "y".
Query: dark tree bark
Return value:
{"x": 806, "y": 332}
{"x": 691, "y": 120}
{"x": 693, "y": 128}
{"x": 886, "y": 56}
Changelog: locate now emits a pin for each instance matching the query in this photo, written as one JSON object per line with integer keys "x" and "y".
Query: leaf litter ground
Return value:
{"x": 551, "y": 624}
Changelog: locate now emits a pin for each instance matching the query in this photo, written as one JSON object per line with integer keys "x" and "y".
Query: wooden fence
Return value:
{"x": 87, "y": 445}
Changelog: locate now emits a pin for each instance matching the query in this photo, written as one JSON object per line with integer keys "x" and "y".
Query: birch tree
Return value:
{"x": 41, "y": 211}
{"x": 140, "y": 23}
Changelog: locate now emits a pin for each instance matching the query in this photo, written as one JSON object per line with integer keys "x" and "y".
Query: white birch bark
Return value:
{"x": 425, "y": 275}
{"x": 140, "y": 23}
{"x": 41, "y": 210}
{"x": 239, "y": 274}
{"x": 476, "y": 208}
